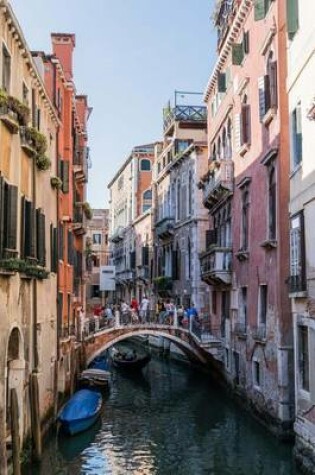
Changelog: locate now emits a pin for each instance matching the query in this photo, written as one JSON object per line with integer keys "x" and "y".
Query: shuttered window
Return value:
{"x": 296, "y": 136}
{"x": 27, "y": 230}
{"x": 60, "y": 241}
{"x": 245, "y": 125}
{"x": 292, "y": 17}
{"x": 145, "y": 256}
{"x": 259, "y": 9}
{"x": 237, "y": 131}
{"x": 65, "y": 176}
{"x": 40, "y": 237}
{"x": 237, "y": 53}
{"x": 211, "y": 237}
{"x": 221, "y": 82}
{"x": 10, "y": 217}
{"x": 261, "y": 93}
{"x": 53, "y": 249}
{"x": 133, "y": 260}
{"x": 297, "y": 254}
{"x": 70, "y": 248}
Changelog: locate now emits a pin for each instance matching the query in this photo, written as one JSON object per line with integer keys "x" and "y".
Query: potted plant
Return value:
{"x": 87, "y": 210}
{"x": 43, "y": 162}
{"x": 56, "y": 182}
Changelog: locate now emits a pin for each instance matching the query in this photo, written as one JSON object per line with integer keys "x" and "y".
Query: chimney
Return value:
{"x": 63, "y": 46}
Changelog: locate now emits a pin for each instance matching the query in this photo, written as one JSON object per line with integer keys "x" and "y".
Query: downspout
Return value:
{"x": 34, "y": 286}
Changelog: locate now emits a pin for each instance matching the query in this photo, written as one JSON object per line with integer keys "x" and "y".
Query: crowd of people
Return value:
{"x": 133, "y": 312}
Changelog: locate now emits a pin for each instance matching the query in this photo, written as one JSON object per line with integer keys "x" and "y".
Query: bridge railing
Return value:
{"x": 200, "y": 327}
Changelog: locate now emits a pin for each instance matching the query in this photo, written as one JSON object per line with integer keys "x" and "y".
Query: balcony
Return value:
{"x": 216, "y": 265}
{"x": 118, "y": 235}
{"x": 126, "y": 276}
{"x": 259, "y": 333}
{"x": 165, "y": 227}
{"x": 240, "y": 329}
{"x": 9, "y": 118}
{"x": 218, "y": 183}
{"x": 78, "y": 224}
{"x": 143, "y": 273}
{"x": 80, "y": 164}
{"x": 192, "y": 117}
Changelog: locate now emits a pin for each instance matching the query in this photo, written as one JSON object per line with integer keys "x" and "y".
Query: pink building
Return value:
{"x": 246, "y": 189}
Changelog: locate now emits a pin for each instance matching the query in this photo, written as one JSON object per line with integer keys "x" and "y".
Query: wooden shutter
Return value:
{"x": 211, "y": 237}
{"x": 245, "y": 125}
{"x": 145, "y": 256}
{"x": 60, "y": 168}
{"x": 237, "y": 53}
{"x": 237, "y": 131}
{"x": 65, "y": 176}
{"x": 2, "y": 215}
{"x": 259, "y": 9}
{"x": 246, "y": 42}
{"x": 40, "y": 237}
{"x": 273, "y": 84}
{"x": 261, "y": 92}
{"x": 55, "y": 250}
{"x": 298, "y": 135}
{"x": 12, "y": 206}
{"x": 292, "y": 17}
{"x": 60, "y": 241}
{"x": 22, "y": 234}
{"x": 28, "y": 229}
{"x": 221, "y": 82}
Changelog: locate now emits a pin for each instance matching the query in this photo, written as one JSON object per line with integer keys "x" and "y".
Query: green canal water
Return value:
{"x": 168, "y": 420}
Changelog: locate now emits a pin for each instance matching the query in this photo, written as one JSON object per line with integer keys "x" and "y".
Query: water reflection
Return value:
{"x": 169, "y": 420}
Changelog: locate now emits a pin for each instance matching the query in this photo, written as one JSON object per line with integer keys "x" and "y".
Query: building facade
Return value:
{"x": 301, "y": 92}
{"x": 180, "y": 220}
{"x": 70, "y": 182}
{"x": 28, "y": 223}
{"x": 130, "y": 199}
{"x": 246, "y": 190}
{"x": 96, "y": 255}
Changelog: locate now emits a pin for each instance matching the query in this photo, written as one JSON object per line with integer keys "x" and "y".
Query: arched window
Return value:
{"x": 214, "y": 152}
{"x": 245, "y": 220}
{"x": 272, "y": 192}
{"x": 145, "y": 165}
{"x": 146, "y": 200}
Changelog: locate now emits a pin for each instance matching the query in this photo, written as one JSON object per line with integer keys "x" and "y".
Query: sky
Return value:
{"x": 130, "y": 57}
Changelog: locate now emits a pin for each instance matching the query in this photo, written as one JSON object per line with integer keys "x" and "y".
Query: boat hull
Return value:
{"x": 80, "y": 425}
{"x": 131, "y": 365}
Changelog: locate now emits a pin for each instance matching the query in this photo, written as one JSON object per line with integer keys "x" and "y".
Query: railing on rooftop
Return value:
{"x": 185, "y": 114}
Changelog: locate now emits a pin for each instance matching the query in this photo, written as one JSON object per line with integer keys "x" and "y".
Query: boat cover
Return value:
{"x": 83, "y": 404}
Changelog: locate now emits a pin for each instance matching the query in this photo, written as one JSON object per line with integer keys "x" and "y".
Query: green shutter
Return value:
{"x": 12, "y": 206}
{"x": 22, "y": 244}
{"x": 292, "y": 17}
{"x": 55, "y": 248}
{"x": 260, "y": 9}
{"x": 2, "y": 212}
{"x": 65, "y": 177}
{"x": 40, "y": 238}
{"x": 221, "y": 82}
{"x": 246, "y": 42}
{"x": 237, "y": 54}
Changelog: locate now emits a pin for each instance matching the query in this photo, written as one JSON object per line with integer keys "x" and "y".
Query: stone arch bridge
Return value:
{"x": 204, "y": 349}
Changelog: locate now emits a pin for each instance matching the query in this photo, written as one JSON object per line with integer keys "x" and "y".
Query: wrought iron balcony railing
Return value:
{"x": 219, "y": 182}
{"x": 183, "y": 113}
{"x": 165, "y": 227}
{"x": 216, "y": 265}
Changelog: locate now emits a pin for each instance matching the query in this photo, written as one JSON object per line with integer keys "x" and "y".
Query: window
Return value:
{"x": 6, "y": 69}
{"x": 236, "y": 357}
{"x": 272, "y": 198}
{"x": 304, "y": 358}
{"x": 261, "y": 8}
{"x": 229, "y": 140}
{"x": 95, "y": 291}
{"x": 245, "y": 122}
{"x": 243, "y": 307}
{"x": 268, "y": 88}
{"x": 189, "y": 258}
{"x": 297, "y": 254}
{"x": 225, "y": 309}
{"x": 292, "y": 17}
{"x": 296, "y": 136}
{"x": 262, "y": 304}
{"x": 97, "y": 238}
{"x": 8, "y": 219}
{"x": 120, "y": 183}
{"x": 256, "y": 373}
{"x": 145, "y": 165}
{"x": 146, "y": 200}
{"x": 178, "y": 201}
{"x": 214, "y": 302}
{"x": 227, "y": 358}
{"x": 190, "y": 192}
{"x": 245, "y": 220}
{"x": 239, "y": 50}
{"x": 25, "y": 94}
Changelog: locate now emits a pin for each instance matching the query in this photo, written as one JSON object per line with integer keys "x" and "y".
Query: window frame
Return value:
{"x": 146, "y": 160}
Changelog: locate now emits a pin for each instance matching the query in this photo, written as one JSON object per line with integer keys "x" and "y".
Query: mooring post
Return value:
{"x": 15, "y": 432}
{"x": 36, "y": 429}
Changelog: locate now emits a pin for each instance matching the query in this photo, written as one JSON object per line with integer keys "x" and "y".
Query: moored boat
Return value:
{"x": 95, "y": 378}
{"x": 81, "y": 411}
{"x": 130, "y": 361}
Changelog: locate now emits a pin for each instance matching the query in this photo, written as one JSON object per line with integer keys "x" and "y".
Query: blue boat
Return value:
{"x": 81, "y": 411}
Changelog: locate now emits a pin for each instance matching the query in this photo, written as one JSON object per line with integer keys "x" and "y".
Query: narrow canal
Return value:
{"x": 168, "y": 420}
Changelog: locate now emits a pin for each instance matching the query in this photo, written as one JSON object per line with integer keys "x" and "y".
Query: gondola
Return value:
{"x": 94, "y": 378}
{"x": 130, "y": 361}
{"x": 80, "y": 412}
